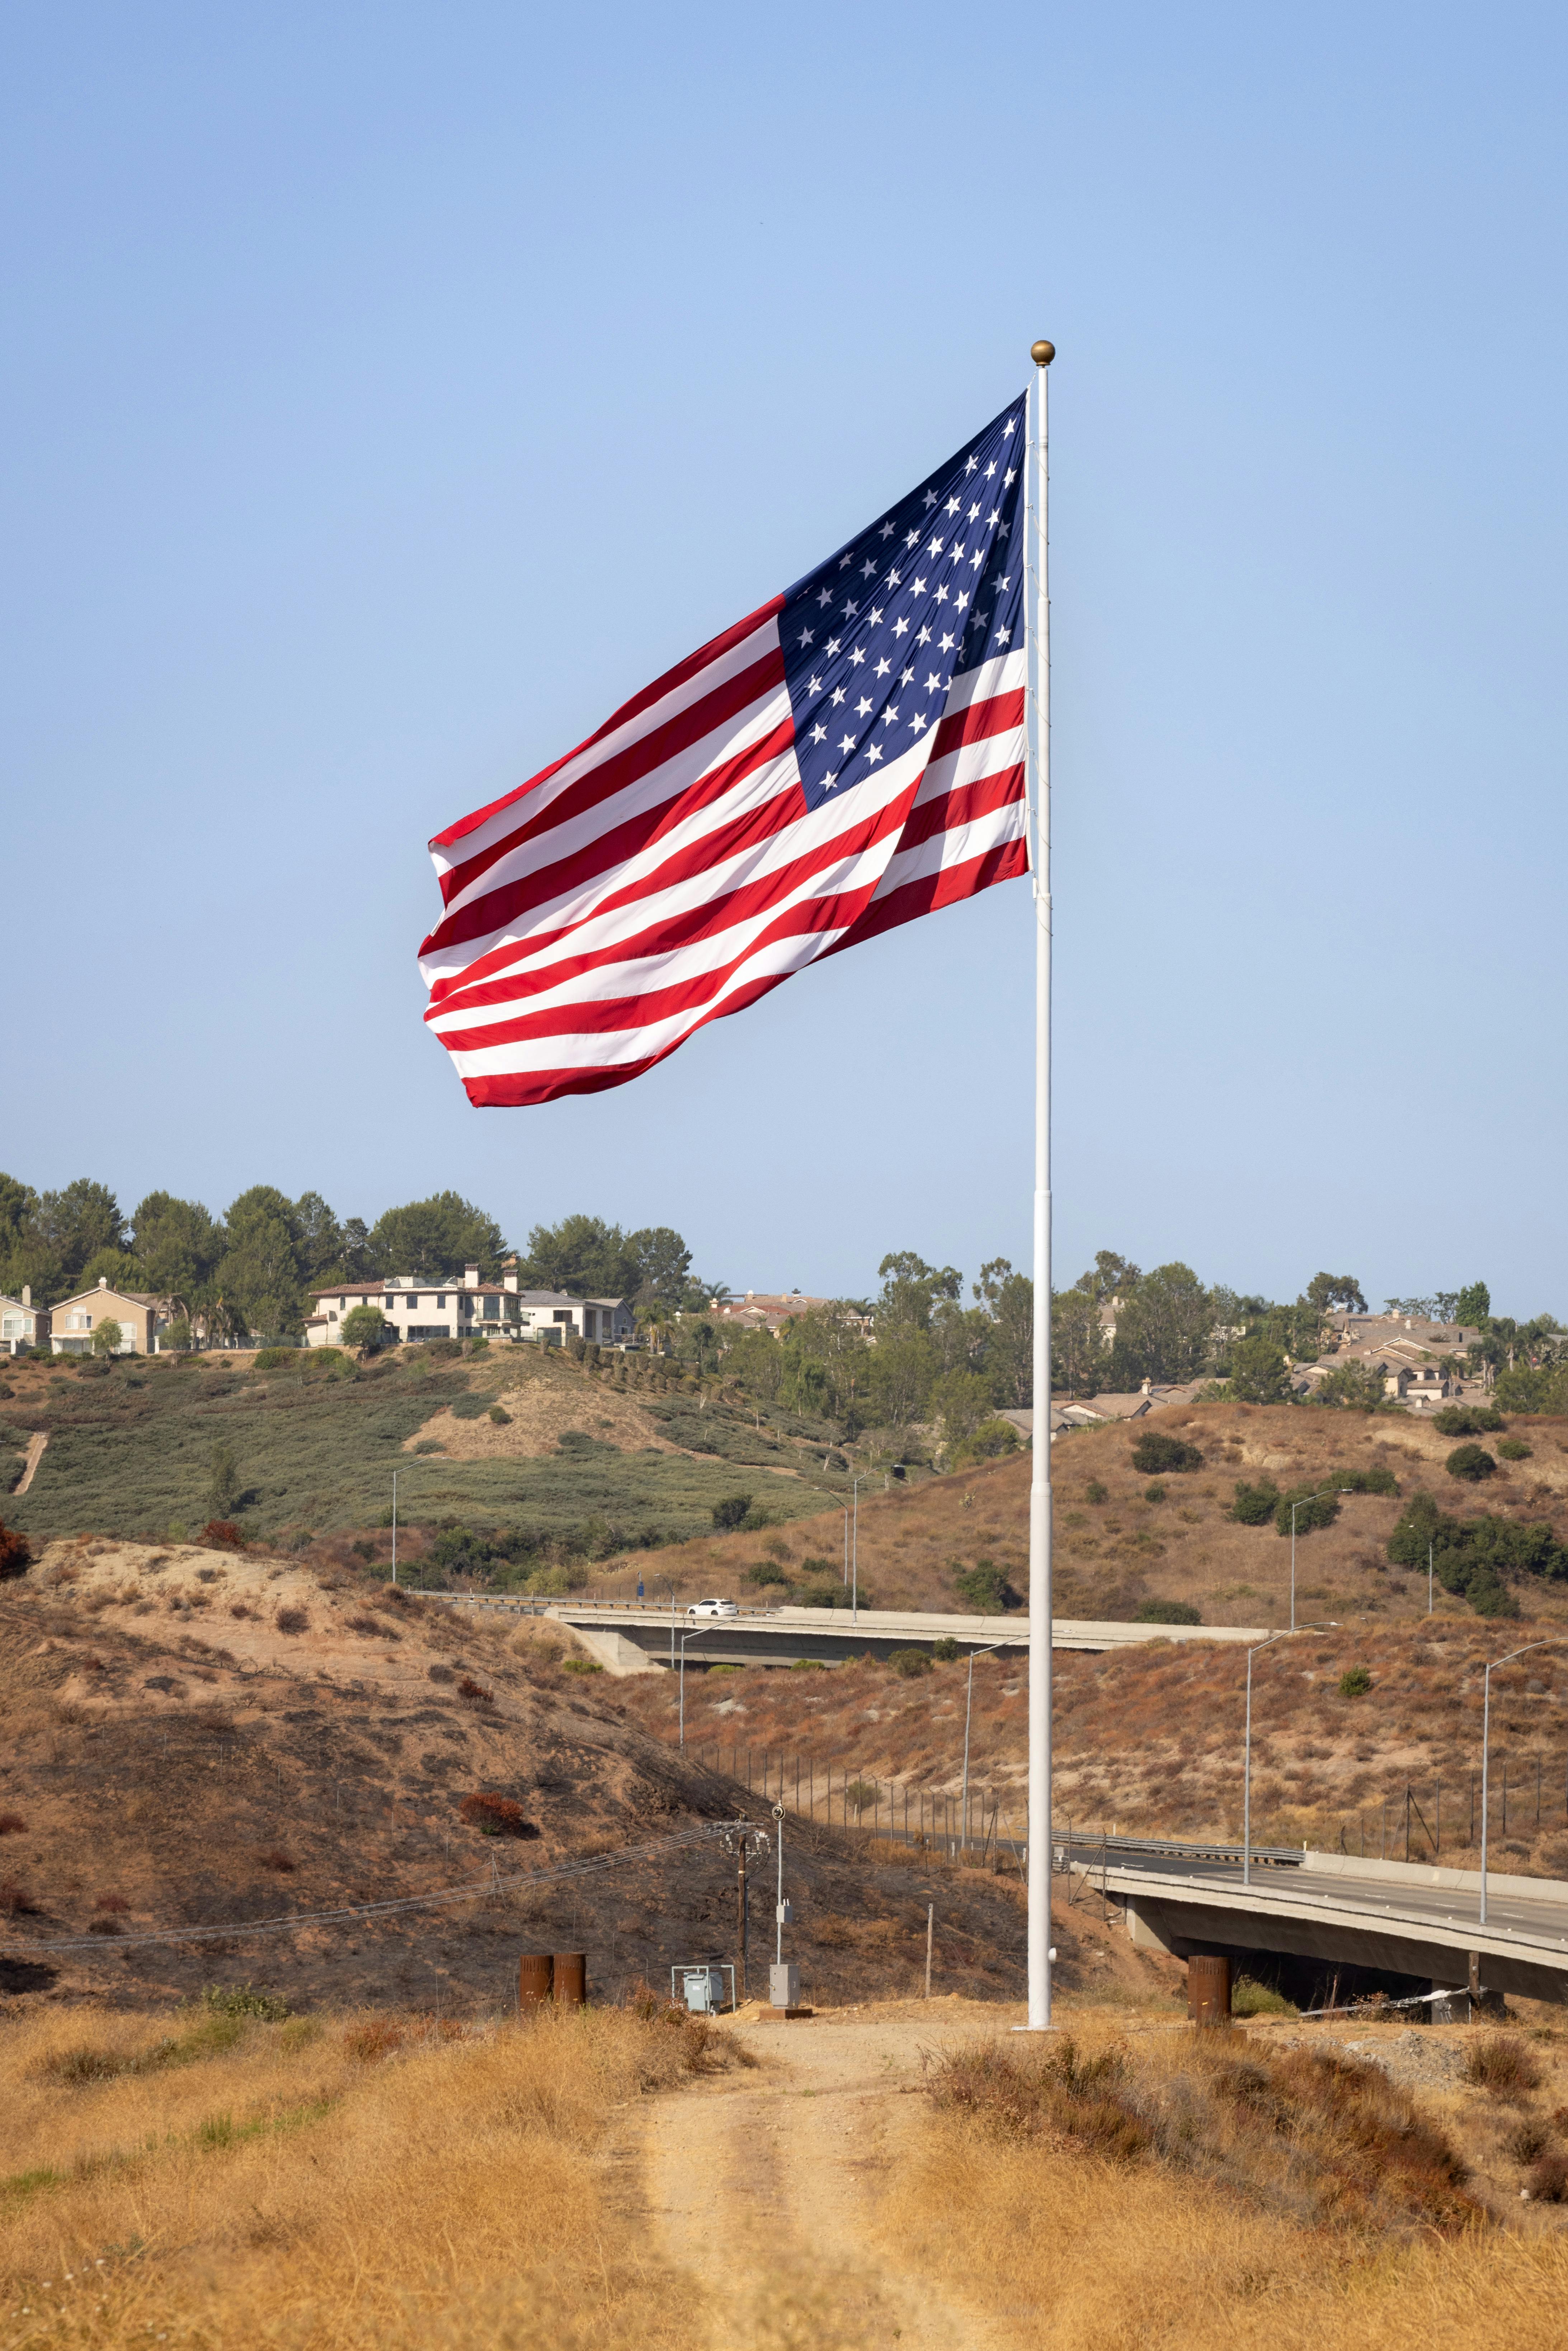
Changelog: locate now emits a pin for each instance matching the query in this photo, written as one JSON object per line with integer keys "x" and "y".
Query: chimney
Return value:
{"x": 470, "y": 1276}
{"x": 103, "y": 1282}
{"x": 27, "y": 1293}
{"x": 509, "y": 1278}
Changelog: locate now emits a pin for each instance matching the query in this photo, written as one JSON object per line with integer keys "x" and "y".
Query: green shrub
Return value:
{"x": 945, "y": 1649}
{"x": 1467, "y": 1420}
{"x": 990, "y": 1442}
{"x": 1380, "y": 1480}
{"x": 1471, "y": 1556}
{"x": 1355, "y": 1683}
{"x": 1470, "y": 1462}
{"x": 245, "y": 2000}
{"x": 1155, "y": 1493}
{"x": 473, "y": 1407}
{"x": 1514, "y": 1449}
{"x": 364, "y": 1326}
{"x": 808, "y": 1666}
{"x": 581, "y": 1665}
{"x": 1313, "y": 1506}
{"x": 502, "y": 1419}
{"x": 766, "y": 1573}
{"x": 1095, "y": 1491}
{"x": 1155, "y": 1455}
{"x": 1167, "y": 1612}
{"x": 1249, "y": 1998}
{"x": 909, "y": 1663}
{"x": 1255, "y": 1505}
{"x": 731, "y": 1513}
{"x": 985, "y": 1589}
{"x": 813, "y": 1566}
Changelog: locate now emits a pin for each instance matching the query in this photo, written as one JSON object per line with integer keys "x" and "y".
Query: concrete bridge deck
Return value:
{"x": 633, "y": 1636}
{"x": 1409, "y": 1919}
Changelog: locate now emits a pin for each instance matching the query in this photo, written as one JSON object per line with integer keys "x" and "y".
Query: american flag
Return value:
{"x": 845, "y": 759}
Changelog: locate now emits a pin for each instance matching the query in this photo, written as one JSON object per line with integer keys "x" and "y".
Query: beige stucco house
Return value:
{"x": 22, "y": 1325}
{"x": 74, "y": 1320}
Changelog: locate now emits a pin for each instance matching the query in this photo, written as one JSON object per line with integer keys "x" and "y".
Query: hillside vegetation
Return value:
{"x": 1126, "y": 1537}
{"x": 201, "y": 1738}
{"x": 581, "y": 1459}
{"x": 1148, "y": 1741}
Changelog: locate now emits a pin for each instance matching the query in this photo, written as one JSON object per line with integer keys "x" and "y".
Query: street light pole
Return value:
{"x": 855, "y": 1554}
{"x": 968, "y": 1705}
{"x": 1429, "y": 1579}
{"x": 395, "y": 1526}
{"x": 1486, "y": 1736}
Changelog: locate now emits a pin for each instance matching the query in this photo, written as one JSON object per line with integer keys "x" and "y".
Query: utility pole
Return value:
{"x": 740, "y": 1911}
{"x": 394, "y": 1528}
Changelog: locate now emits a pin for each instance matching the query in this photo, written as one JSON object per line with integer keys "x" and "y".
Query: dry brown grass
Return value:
{"x": 1260, "y": 2230}
{"x": 1113, "y": 1554}
{"x": 362, "y": 2182}
{"x": 1149, "y": 1738}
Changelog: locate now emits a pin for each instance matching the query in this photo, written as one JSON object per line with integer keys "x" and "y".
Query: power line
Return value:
{"x": 491, "y": 1884}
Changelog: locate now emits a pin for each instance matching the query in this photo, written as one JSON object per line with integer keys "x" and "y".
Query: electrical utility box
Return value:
{"x": 784, "y": 1985}
{"x": 784, "y": 1914}
{"x": 702, "y": 1988}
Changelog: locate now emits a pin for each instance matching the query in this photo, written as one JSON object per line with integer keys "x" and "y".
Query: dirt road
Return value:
{"x": 764, "y": 2185}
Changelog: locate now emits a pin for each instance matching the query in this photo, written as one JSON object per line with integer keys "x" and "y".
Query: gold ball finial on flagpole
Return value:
{"x": 1043, "y": 353}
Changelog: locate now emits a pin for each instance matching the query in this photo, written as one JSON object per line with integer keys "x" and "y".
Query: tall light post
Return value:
{"x": 968, "y": 1705}
{"x": 1247, "y": 1748}
{"x": 855, "y": 1551}
{"x": 701, "y": 1631}
{"x": 1486, "y": 1735}
{"x": 1294, "y": 1508}
{"x": 395, "y": 1526}
{"x": 1429, "y": 1579}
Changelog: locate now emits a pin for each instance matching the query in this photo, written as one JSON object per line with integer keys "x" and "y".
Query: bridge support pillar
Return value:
{"x": 1208, "y": 1988}
{"x": 1147, "y": 1932}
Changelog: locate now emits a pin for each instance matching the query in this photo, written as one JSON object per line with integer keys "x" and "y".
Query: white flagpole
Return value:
{"x": 1037, "y": 634}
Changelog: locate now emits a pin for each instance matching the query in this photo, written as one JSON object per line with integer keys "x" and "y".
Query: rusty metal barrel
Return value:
{"x": 571, "y": 1979}
{"x": 1208, "y": 1988}
{"x": 535, "y": 1979}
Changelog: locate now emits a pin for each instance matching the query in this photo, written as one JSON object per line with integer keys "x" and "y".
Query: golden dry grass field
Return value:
{"x": 895, "y": 2174}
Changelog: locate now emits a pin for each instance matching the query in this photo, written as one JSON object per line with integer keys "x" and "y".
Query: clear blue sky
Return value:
{"x": 392, "y": 390}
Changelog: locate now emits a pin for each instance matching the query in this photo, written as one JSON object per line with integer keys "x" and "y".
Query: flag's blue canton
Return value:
{"x": 873, "y": 638}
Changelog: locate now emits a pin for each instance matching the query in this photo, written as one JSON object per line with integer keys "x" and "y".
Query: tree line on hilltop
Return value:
{"x": 256, "y": 1268}
{"x": 917, "y": 1352}
{"x": 1118, "y": 1326}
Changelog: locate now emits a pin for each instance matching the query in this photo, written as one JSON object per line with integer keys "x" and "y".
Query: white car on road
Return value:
{"x": 713, "y": 1608}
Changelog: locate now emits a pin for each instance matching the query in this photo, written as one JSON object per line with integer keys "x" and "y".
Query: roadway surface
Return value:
{"x": 1409, "y": 1919}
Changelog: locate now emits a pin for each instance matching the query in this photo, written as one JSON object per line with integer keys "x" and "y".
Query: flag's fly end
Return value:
{"x": 846, "y": 758}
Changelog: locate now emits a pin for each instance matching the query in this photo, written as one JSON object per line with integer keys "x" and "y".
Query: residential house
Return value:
{"x": 141, "y": 1317}
{"x": 22, "y": 1325}
{"x": 417, "y": 1309}
{"x": 774, "y": 1309}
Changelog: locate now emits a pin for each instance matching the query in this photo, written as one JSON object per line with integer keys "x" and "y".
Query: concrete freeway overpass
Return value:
{"x": 1403, "y": 1919}
{"x": 630, "y": 1639}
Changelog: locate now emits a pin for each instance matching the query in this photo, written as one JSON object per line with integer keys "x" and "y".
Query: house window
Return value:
{"x": 562, "y": 1314}
{"x": 413, "y": 1305}
{"x": 441, "y": 1303}
{"x": 341, "y": 1303}
{"x": 11, "y": 1328}
{"x": 492, "y": 1310}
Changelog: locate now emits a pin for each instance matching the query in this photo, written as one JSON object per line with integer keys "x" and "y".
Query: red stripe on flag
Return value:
{"x": 670, "y": 683}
